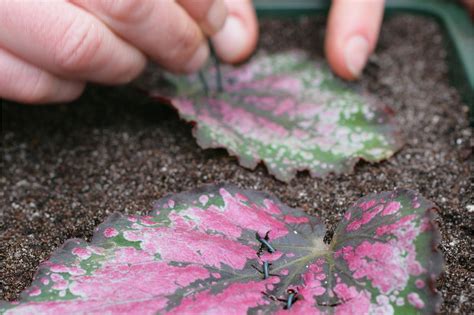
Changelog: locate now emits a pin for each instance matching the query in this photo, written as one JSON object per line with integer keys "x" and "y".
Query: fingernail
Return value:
{"x": 230, "y": 42}
{"x": 216, "y": 17}
{"x": 356, "y": 53}
{"x": 198, "y": 59}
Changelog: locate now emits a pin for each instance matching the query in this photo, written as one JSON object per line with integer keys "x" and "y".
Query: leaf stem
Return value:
{"x": 203, "y": 82}
{"x": 218, "y": 68}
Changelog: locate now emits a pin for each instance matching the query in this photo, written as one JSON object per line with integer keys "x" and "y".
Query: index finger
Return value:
{"x": 163, "y": 30}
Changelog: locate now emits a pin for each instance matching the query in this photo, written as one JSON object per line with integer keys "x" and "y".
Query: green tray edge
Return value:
{"x": 455, "y": 20}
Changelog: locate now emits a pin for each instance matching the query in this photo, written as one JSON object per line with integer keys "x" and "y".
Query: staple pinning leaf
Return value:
{"x": 283, "y": 109}
{"x": 198, "y": 252}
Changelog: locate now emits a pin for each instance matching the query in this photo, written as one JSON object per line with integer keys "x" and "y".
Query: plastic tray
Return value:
{"x": 454, "y": 19}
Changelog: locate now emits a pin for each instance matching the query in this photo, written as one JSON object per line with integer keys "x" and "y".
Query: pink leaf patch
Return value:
{"x": 222, "y": 250}
{"x": 285, "y": 110}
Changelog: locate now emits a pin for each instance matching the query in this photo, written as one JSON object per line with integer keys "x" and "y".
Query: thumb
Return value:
{"x": 353, "y": 29}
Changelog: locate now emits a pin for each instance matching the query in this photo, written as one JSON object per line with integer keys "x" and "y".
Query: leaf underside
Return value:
{"x": 284, "y": 109}
{"x": 197, "y": 252}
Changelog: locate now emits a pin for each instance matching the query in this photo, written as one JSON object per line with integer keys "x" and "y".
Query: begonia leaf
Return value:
{"x": 198, "y": 252}
{"x": 284, "y": 109}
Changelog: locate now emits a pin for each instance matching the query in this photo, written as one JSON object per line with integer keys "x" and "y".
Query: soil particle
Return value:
{"x": 65, "y": 168}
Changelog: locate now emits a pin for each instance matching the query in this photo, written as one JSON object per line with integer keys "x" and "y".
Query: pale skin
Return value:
{"x": 50, "y": 49}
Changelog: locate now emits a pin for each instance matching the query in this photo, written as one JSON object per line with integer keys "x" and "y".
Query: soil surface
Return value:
{"x": 64, "y": 169}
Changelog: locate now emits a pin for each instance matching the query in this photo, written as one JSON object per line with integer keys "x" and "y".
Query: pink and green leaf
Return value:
{"x": 197, "y": 253}
{"x": 286, "y": 110}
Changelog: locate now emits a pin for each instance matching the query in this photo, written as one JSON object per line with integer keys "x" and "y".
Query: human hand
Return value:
{"x": 50, "y": 49}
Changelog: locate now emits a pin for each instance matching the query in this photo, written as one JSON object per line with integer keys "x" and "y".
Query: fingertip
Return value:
{"x": 69, "y": 92}
{"x": 52, "y": 90}
{"x": 353, "y": 29}
{"x": 231, "y": 42}
{"x": 238, "y": 37}
{"x": 133, "y": 65}
{"x": 349, "y": 62}
{"x": 336, "y": 61}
